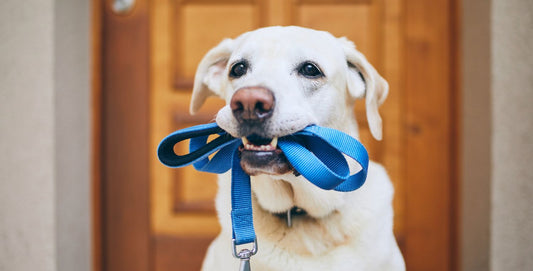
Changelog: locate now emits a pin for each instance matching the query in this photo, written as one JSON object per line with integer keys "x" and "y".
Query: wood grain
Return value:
{"x": 180, "y": 253}
{"x": 428, "y": 111}
{"x": 125, "y": 140}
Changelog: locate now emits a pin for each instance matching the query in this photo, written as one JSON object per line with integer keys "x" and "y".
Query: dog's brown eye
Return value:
{"x": 238, "y": 70}
{"x": 310, "y": 70}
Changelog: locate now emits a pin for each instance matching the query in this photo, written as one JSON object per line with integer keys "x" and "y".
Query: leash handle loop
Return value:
{"x": 199, "y": 148}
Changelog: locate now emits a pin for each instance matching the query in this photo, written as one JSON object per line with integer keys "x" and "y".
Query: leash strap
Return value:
{"x": 316, "y": 152}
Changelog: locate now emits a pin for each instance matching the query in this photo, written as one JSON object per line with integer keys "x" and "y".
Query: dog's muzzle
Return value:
{"x": 252, "y": 107}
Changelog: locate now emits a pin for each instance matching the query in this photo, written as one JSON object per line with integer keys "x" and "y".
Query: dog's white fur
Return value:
{"x": 342, "y": 231}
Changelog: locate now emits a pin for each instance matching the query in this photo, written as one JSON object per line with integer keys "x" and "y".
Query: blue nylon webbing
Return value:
{"x": 315, "y": 152}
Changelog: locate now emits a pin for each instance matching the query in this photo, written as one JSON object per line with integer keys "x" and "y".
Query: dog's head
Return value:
{"x": 278, "y": 80}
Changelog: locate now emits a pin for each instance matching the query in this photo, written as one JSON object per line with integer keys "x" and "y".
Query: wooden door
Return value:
{"x": 149, "y": 59}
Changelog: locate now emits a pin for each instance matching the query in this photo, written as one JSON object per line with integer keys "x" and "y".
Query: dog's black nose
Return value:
{"x": 252, "y": 104}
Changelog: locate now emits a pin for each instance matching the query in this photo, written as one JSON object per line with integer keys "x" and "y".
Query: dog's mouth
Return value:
{"x": 261, "y": 155}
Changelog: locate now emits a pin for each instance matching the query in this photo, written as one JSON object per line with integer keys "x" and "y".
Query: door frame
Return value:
{"x": 121, "y": 232}
{"x": 120, "y": 110}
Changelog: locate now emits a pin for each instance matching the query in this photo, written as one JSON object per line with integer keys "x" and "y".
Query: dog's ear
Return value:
{"x": 210, "y": 74}
{"x": 364, "y": 81}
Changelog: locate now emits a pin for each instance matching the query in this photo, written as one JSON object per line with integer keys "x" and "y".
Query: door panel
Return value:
{"x": 199, "y": 25}
{"x": 399, "y": 39}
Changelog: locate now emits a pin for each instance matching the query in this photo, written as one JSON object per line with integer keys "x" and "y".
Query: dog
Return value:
{"x": 276, "y": 81}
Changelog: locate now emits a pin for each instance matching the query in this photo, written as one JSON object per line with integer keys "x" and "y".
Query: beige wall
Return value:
{"x": 44, "y": 140}
{"x": 72, "y": 136}
{"x": 512, "y": 135}
{"x": 497, "y": 187}
{"x": 27, "y": 207}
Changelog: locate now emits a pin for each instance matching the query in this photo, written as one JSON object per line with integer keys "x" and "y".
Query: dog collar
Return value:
{"x": 315, "y": 152}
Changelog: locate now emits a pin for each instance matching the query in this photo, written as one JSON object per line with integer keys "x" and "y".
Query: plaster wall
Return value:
{"x": 512, "y": 135}
{"x": 27, "y": 186}
{"x": 44, "y": 146}
{"x": 497, "y": 142}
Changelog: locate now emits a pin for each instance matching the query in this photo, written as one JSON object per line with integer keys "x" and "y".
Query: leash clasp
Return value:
{"x": 244, "y": 255}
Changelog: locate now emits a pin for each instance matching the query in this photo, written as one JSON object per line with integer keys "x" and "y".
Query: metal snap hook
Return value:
{"x": 244, "y": 255}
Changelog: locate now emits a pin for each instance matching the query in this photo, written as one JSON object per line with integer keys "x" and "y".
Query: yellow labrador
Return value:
{"x": 276, "y": 81}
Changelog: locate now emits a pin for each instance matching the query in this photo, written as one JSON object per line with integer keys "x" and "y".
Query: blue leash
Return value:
{"x": 315, "y": 152}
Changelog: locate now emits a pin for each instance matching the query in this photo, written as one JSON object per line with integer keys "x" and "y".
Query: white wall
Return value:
{"x": 72, "y": 136}
{"x": 44, "y": 140}
{"x": 27, "y": 186}
{"x": 497, "y": 187}
{"x": 512, "y": 135}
